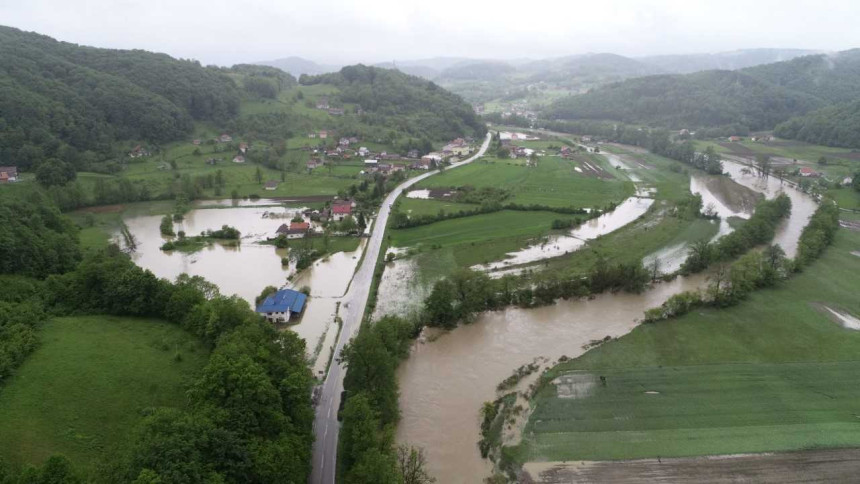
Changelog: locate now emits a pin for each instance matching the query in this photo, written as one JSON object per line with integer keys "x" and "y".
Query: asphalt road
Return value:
{"x": 326, "y": 426}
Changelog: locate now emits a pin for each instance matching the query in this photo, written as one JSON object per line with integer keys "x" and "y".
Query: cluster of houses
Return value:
{"x": 758, "y": 139}
{"x": 297, "y": 229}
{"x": 322, "y": 104}
{"x": 374, "y": 166}
{"x": 8, "y": 174}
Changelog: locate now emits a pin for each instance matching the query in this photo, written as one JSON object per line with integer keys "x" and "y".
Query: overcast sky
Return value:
{"x": 220, "y": 32}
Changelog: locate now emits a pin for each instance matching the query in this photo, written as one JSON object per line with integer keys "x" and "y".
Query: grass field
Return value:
{"x": 419, "y": 206}
{"x": 479, "y": 238}
{"x": 632, "y": 243}
{"x": 82, "y": 391}
{"x": 773, "y": 373}
{"x": 553, "y": 182}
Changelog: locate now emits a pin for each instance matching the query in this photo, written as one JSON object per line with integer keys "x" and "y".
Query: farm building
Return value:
{"x": 282, "y": 305}
{"x": 271, "y": 185}
{"x": 8, "y": 174}
{"x": 296, "y": 230}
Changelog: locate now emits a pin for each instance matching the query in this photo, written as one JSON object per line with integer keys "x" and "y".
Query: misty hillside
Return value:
{"x": 753, "y": 98}
{"x": 403, "y": 102}
{"x": 477, "y": 71}
{"x": 734, "y": 60}
{"x": 298, "y": 66}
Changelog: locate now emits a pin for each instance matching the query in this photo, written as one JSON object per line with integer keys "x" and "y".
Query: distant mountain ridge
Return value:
{"x": 753, "y": 98}
{"x": 730, "y": 61}
{"x": 298, "y": 66}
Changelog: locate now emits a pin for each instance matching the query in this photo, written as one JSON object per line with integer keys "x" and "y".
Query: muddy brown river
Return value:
{"x": 444, "y": 383}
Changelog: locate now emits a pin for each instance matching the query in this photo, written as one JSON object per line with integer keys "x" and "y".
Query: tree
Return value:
{"x": 348, "y": 224}
{"x": 167, "y": 226}
{"x": 438, "y": 307}
{"x": 258, "y": 175}
{"x": 763, "y": 165}
{"x": 53, "y": 172}
{"x": 412, "y": 465}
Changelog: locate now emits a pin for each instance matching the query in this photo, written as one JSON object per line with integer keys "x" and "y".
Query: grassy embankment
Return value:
{"x": 85, "y": 388}
{"x": 774, "y": 373}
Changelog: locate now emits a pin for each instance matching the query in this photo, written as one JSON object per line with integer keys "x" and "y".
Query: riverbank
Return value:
{"x": 774, "y": 373}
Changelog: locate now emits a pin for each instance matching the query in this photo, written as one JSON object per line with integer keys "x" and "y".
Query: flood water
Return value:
{"x": 245, "y": 270}
{"x": 444, "y": 383}
{"x": 558, "y": 245}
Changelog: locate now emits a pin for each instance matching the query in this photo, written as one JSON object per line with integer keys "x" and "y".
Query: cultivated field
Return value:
{"x": 776, "y": 372}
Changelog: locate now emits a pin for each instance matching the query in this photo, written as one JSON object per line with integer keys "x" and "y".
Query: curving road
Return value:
{"x": 326, "y": 426}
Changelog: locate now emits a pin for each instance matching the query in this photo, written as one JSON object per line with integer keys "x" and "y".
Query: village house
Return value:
{"x": 323, "y": 134}
{"x": 137, "y": 152}
{"x": 363, "y": 151}
{"x": 371, "y": 165}
{"x": 8, "y": 174}
{"x": 282, "y": 305}
{"x": 196, "y": 142}
{"x": 340, "y": 209}
{"x": 312, "y": 135}
{"x": 271, "y": 185}
{"x": 225, "y": 138}
{"x": 734, "y": 139}
{"x": 238, "y": 159}
{"x": 296, "y": 230}
{"x": 807, "y": 172}
{"x": 322, "y": 103}
{"x": 353, "y": 139}
{"x": 343, "y": 142}
{"x": 336, "y": 111}
{"x": 412, "y": 154}
{"x": 313, "y": 163}
{"x": 243, "y": 148}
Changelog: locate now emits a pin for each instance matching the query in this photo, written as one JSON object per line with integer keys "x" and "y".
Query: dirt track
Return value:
{"x": 836, "y": 465}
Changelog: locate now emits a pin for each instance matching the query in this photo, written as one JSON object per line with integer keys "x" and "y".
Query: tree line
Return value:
{"x": 757, "y": 269}
{"x": 249, "y": 416}
{"x": 759, "y": 229}
{"x": 370, "y": 412}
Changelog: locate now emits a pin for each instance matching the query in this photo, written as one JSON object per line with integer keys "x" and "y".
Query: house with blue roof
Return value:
{"x": 280, "y": 306}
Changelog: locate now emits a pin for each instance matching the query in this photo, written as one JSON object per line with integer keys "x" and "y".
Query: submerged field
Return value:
{"x": 776, "y": 372}
{"x": 84, "y": 389}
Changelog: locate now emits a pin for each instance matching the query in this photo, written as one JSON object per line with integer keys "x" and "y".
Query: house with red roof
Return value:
{"x": 808, "y": 172}
{"x": 340, "y": 209}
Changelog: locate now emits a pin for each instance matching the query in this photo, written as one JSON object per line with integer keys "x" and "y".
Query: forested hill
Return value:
{"x": 399, "y": 101}
{"x": 64, "y": 101}
{"x": 710, "y": 98}
{"x": 754, "y": 98}
{"x": 837, "y": 125}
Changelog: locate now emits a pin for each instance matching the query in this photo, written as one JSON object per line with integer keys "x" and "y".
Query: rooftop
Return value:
{"x": 283, "y": 300}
